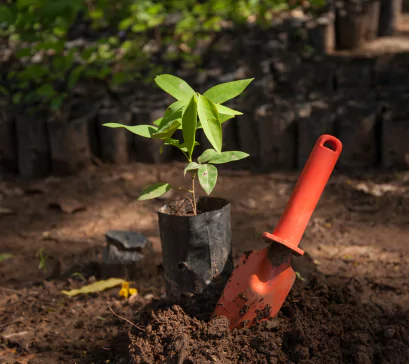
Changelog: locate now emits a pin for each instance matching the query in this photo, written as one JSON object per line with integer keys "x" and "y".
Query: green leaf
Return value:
{"x": 6, "y": 256}
{"x": 25, "y": 52}
{"x": 226, "y": 157}
{"x": 46, "y": 90}
{"x": 74, "y": 76}
{"x": 3, "y": 91}
{"x": 166, "y": 131}
{"x": 95, "y": 287}
{"x": 171, "y": 121}
{"x": 207, "y": 177}
{"x": 209, "y": 118}
{"x": 192, "y": 166}
{"x": 189, "y": 125}
{"x": 56, "y": 102}
{"x": 174, "y": 86}
{"x": 156, "y": 190}
{"x": 299, "y": 276}
{"x": 157, "y": 121}
{"x": 206, "y": 155}
{"x": 227, "y": 111}
{"x": 173, "y": 112}
{"x": 145, "y": 131}
{"x": 224, "y": 118}
{"x": 226, "y": 91}
{"x": 175, "y": 143}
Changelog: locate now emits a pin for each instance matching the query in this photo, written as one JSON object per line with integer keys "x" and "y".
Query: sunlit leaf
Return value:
{"x": 227, "y": 111}
{"x": 167, "y": 130}
{"x": 226, "y": 157}
{"x": 189, "y": 124}
{"x": 156, "y": 190}
{"x": 206, "y": 155}
{"x": 173, "y": 112}
{"x": 157, "y": 121}
{"x": 176, "y": 143}
{"x": 145, "y": 131}
{"x": 224, "y": 118}
{"x": 209, "y": 118}
{"x": 174, "y": 86}
{"x": 226, "y": 91}
{"x": 95, "y": 287}
{"x": 192, "y": 166}
{"x": 207, "y": 175}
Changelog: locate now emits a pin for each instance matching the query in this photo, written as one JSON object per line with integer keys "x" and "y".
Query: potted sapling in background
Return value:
{"x": 195, "y": 231}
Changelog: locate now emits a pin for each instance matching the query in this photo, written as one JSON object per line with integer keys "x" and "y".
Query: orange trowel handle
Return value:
{"x": 306, "y": 194}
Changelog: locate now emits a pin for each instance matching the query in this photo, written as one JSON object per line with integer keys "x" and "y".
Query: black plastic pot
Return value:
{"x": 69, "y": 142}
{"x": 321, "y": 33}
{"x": 33, "y": 149}
{"x": 8, "y": 154}
{"x": 389, "y": 16}
{"x": 196, "y": 250}
{"x": 115, "y": 144}
{"x": 357, "y": 23}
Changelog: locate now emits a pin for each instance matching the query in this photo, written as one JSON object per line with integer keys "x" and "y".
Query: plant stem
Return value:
{"x": 193, "y": 194}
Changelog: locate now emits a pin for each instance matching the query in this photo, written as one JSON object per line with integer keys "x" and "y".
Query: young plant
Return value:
{"x": 192, "y": 111}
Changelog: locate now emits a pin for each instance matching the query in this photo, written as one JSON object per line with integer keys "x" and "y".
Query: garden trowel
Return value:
{"x": 262, "y": 280}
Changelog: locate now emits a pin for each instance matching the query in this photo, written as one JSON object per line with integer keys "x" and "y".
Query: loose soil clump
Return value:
{"x": 317, "y": 324}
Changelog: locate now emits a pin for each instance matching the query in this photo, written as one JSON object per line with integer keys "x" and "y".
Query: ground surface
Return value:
{"x": 358, "y": 237}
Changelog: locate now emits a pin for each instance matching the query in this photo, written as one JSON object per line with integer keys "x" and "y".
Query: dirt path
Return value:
{"x": 358, "y": 236}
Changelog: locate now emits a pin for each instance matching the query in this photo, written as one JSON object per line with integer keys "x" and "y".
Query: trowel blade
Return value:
{"x": 257, "y": 287}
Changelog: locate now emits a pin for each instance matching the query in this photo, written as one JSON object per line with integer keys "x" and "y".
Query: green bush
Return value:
{"x": 57, "y": 43}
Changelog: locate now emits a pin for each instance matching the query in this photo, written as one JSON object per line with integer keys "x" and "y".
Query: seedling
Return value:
{"x": 191, "y": 112}
{"x": 43, "y": 258}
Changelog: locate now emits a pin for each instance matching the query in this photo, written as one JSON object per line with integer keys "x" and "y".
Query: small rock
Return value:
{"x": 271, "y": 324}
{"x": 126, "y": 253}
{"x": 67, "y": 205}
{"x": 363, "y": 358}
{"x": 148, "y": 296}
{"x": 125, "y": 247}
{"x": 6, "y": 211}
{"x": 133, "y": 299}
{"x": 249, "y": 203}
{"x": 389, "y": 332}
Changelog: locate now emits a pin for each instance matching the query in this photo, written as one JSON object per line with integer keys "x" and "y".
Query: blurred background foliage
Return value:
{"x": 49, "y": 46}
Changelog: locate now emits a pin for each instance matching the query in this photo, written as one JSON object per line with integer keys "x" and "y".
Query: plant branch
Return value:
{"x": 123, "y": 318}
{"x": 193, "y": 194}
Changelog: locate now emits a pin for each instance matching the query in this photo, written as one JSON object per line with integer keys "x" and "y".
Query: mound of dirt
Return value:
{"x": 317, "y": 324}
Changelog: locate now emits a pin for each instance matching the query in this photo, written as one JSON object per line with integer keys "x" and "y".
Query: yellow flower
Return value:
{"x": 126, "y": 291}
{"x": 133, "y": 291}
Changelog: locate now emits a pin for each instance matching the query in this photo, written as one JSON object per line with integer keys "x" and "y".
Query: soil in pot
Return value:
{"x": 318, "y": 323}
{"x": 69, "y": 142}
{"x": 196, "y": 249}
{"x": 33, "y": 148}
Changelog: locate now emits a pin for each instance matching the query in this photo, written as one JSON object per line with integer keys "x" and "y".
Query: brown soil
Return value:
{"x": 317, "y": 324}
{"x": 357, "y": 237}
